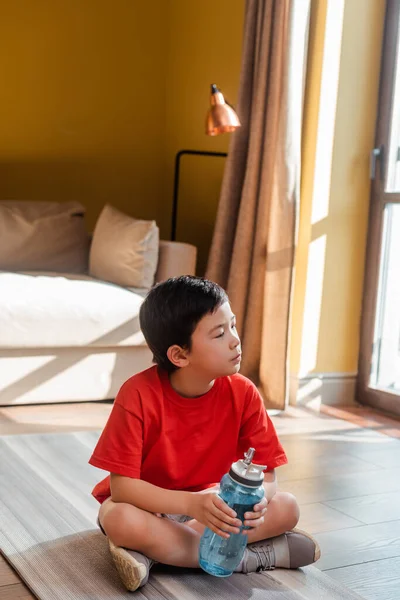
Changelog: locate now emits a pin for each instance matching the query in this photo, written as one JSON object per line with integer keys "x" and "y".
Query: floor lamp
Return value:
{"x": 221, "y": 118}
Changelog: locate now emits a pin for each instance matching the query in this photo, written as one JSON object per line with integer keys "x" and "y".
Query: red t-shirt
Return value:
{"x": 178, "y": 443}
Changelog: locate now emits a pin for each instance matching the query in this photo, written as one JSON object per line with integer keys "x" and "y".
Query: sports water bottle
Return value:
{"x": 241, "y": 489}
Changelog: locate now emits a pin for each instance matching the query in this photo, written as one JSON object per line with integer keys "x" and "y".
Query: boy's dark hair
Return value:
{"x": 171, "y": 311}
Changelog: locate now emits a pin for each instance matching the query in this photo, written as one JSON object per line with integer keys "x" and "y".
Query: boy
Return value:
{"x": 175, "y": 429}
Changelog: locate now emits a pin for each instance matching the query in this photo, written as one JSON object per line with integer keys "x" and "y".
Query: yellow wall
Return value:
{"x": 97, "y": 97}
{"x": 204, "y": 47}
{"x": 335, "y": 225}
{"x": 82, "y": 103}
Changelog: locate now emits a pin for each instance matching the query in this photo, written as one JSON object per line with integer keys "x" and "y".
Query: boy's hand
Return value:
{"x": 210, "y": 510}
{"x": 256, "y": 518}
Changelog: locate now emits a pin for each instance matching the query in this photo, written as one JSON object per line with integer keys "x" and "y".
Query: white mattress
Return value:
{"x": 50, "y": 310}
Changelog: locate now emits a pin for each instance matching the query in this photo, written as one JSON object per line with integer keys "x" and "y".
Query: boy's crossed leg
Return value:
{"x": 177, "y": 544}
{"x": 160, "y": 539}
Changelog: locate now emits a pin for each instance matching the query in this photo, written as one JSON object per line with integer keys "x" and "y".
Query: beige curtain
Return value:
{"x": 252, "y": 251}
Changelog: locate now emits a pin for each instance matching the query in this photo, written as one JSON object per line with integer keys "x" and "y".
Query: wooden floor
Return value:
{"x": 344, "y": 468}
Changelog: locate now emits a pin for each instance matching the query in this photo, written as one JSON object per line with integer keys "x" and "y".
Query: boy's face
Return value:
{"x": 215, "y": 347}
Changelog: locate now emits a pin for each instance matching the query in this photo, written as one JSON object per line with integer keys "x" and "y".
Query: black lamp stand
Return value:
{"x": 176, "y": 182}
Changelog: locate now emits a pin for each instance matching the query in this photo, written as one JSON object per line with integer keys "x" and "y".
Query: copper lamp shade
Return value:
{"x": 221, "y": 118}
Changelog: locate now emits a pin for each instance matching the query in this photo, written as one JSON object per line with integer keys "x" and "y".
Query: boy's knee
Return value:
{"x": 289, "y": 508}
{"x": 120, "y": 519}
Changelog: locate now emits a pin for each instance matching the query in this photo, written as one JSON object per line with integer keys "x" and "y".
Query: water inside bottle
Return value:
{"x": 240, "y": 510}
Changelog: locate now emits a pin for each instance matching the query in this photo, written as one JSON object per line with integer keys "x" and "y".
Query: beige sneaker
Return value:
{"x": 133, "y": 567}
{"x": 290, "y": 550}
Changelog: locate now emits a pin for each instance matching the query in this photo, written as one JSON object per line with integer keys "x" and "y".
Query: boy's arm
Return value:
{"x": 209, "y": 509}
{"x": 148, "y": 496}
{"x": 158, "y": 500}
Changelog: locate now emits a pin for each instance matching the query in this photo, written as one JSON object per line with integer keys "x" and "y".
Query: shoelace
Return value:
{"x": 265, "y": 557}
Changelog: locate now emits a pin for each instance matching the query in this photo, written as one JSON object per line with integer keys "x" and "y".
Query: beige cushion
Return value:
{"x": 43, "y": 236}
{"x": 124, "y": 250}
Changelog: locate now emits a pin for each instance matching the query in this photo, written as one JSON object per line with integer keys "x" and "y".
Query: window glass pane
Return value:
{"x": 385, "y": 373}
{"x": 393, "y": 154}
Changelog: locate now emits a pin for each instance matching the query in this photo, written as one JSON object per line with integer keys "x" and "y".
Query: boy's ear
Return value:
{"x": 178, "y": 356}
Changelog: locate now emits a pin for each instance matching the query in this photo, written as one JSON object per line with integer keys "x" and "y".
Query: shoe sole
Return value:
{"x": 131, "y": 572}
{"x": 317, "y": 552}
